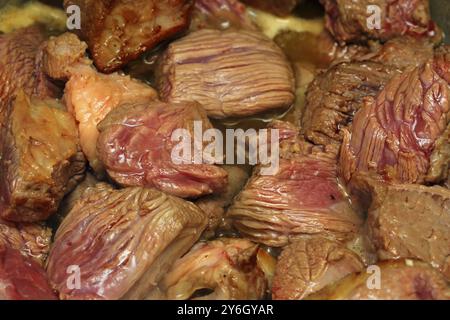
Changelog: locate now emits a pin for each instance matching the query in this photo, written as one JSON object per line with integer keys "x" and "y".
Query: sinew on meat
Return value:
{"x": 118, "y": 32}
{"x": 230, "y": 73}
{"x": 303, "y": 197}
{"x": 309, "y": 264}
{"x": 41, "y": 159}
{"x": 123, "y": 242}
{"x": 137, "y": 149}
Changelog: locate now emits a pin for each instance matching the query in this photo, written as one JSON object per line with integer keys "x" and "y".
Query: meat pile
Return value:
{"x": 103, "y": 194}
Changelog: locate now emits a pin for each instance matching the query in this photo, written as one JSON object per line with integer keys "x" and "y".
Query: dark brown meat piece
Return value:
{"x": 22, "y": 278}
{"x": 409, "y": 221}
{"x": 123, "y": 242}
{"x": 337, "y": 94}
{"x": 232, "y": 74}
{"x": 399, "y": 280}
{"x": 21, "y": 67}
{"x": 396, "y": 135}
{"x": 137, "y": 148}
{"x": 118, "y": 32}
{"x": 41, "y": 159}
{"x": 278, "y": 7}
{"x": 302, "y": 197}
{"x": 31, "y": 240}
{"x": 228, "y": 267}
{"x": 310, "y": 264}
{"x": 350, "y": 21}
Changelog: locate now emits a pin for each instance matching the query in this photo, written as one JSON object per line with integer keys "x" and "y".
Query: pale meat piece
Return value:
{"x": 309, "y": 264}
{"x": 21, "y": 278}
{"x": 137, "y": 147}
{"x": 230, "y": 73}
{"x": 278, "y": 7}
{"x": 118, "y": 32}
{"x": 228, "y": 268}
{"x": 303, "y": 197}
{"x": 31, "y": 240}
{"x": 41, "y": 159}
{"x": 398, "y": 280}
{"x": 123, "y": 242}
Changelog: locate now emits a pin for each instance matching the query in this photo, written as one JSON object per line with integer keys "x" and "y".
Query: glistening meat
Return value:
{"x": 136, "y": 147}
{"x": 230, "y": 73}
{"x": 123, "y": 242}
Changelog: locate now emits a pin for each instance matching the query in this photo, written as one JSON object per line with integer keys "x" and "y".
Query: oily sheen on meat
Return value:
{"x": 230, "y": 73}
{"x": 122, "y": 241}
{"x": 303, "y": 197}
{"x": 136, "y": 147}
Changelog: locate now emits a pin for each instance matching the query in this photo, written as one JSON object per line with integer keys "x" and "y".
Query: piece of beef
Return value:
{"x": 397, "y": 134}
{"x": 398, "y": 280}
{"x": 20, "y": 67}
{"x": 408, "y": 221}
{"x": 41, "y": 159}
{"x": 215, "y": 205}
{"x": 137, "y": 147}
{"x": 227, "y": 267}
{"x": 310, "y": 264}
{"x": 278, "y": 7}
{"x": 122, "y": 241}
{"x": 31, "y": 240}
{"x": 302, "y": 197}
{"x": 220, "y": 14}
{"x": 21, "y": 278}
{"x": 337, "y": 94}
{"x": 118, "y": 32}
{"x": 350, "y": 21}
{"x": 231, "y": 73}
{"x": 90, "y": 95}
{"x": 334, "y": 96}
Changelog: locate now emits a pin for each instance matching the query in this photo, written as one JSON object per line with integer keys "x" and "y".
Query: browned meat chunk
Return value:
{"x": 118, "y": 32}
{"x": 136, "y": 148}
{"x": 400, "y": 280}
{"x": 227, "y": 267}
{"x": 22, "y": 278}
{"x": 41, "y": 159}
{"x": 350, "y": 20}
{"x": 232, "y": 74}
{"x": 278, "y": 7}
{"x": 410, "y": 221}
{"x": 336, "y": 95}
{"x": 32, "y": 240}
{"x": 309, "y": 264}
{"x": 396, "y": 135}
{"x": 220, "y": 14}
{"x": 303, "y": 197}
{"x": 123, "y": 242}
{"x": 20, "y": 67}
